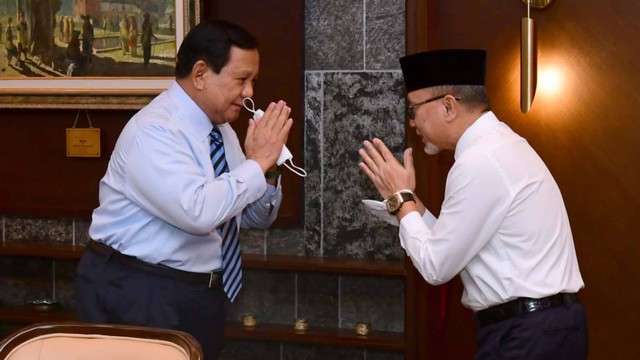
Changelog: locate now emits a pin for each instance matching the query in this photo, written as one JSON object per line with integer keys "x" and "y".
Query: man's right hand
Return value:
{"x": 265, "y": 137}
{"x": 386, "y": 173}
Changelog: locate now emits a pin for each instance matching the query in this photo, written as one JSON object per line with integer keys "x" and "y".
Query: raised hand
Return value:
{"x": 265, "y": 137}
{"x": 386, "y": 173}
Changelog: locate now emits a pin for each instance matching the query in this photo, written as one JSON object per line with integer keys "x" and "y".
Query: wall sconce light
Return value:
{"x": 529, "y": 56}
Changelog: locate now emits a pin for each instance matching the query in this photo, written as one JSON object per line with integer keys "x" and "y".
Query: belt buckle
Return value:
{"x": 532, "y": 305}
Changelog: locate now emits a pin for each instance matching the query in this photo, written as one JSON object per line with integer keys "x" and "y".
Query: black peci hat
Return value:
{"x": 444, "y": 67}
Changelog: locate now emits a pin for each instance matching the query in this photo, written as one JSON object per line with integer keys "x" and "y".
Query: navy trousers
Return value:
{"x": 109, "y": 291}
{"x": 558, "y": 333}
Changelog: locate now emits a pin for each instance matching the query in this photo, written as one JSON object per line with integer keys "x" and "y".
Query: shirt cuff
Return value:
{"x": 251, "y": 173}
{"x": 408, "y": 225}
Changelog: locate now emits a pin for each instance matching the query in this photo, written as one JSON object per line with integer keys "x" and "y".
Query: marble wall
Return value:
{"x": 353, "y": 92}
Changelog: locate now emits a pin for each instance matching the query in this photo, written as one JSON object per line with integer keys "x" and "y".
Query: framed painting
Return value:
{"x": 90, "y": 54}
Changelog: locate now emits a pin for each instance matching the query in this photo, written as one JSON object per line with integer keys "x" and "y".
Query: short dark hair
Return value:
{"x": 211, "y": 41}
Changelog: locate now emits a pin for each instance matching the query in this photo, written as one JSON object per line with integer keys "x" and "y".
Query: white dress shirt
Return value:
{"x": 160, "y": 200}
{"x": 503, "y": 225}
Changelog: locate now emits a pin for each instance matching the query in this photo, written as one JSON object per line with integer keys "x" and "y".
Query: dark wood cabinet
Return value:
{"x": 376, "y": 340}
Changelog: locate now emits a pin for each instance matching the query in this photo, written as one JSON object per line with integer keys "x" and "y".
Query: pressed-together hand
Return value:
{"x": 385, "y": 171}
{"x": 266, "y": 136}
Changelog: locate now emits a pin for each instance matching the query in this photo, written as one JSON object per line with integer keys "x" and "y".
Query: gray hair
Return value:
{"x": 474, "y": 96}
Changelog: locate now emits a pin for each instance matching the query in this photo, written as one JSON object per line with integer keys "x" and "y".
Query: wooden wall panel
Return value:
{"x": 279, "y": 27}
{"x": 437, "y": 326}
{"x": 586, "y": 130}
{"x": 37, "y": 179}
{"x": 36, "y": 176}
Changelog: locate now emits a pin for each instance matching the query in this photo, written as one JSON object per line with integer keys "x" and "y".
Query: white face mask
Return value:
{"x": 285, "y": 155}
{"x": 431, "y": 149}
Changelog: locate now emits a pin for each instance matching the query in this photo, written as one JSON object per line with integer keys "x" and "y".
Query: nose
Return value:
{"x": 412, "y": 123}
{"x": 247, "y": 90}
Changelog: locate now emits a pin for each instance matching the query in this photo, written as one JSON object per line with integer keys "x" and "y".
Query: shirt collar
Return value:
{"x": 482, "y": 124}
{"x": 196, "y": 121}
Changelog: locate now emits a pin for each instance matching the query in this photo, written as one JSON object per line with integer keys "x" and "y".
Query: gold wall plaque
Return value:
{"x": 83, "y": 142}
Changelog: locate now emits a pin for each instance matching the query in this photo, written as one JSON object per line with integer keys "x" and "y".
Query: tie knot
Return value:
{"x": 216, "y": 136}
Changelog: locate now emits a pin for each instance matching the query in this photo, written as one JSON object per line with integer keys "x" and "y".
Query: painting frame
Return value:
{"x": 96, "y": 92}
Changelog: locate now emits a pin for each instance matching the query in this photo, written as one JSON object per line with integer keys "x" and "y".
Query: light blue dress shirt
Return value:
{"x": 160, "y": 200}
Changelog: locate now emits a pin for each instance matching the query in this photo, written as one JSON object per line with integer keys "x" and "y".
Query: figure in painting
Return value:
{"x": 4, "y": 63}
{"x": 9, "y": 45}
{"x": 70, "y": 27}
{"x": 69, "y": 33}
{"x": 3, "y": 54}
{"x": 61, "y": 29}
{"x": 75, "y": 59}
{"x": 124, "y": 34}
{"x": 23, "y": 41}
{"x": 87, "y": 38}
{"x": 147, "y": 37}
{"x": 133, "y": 36}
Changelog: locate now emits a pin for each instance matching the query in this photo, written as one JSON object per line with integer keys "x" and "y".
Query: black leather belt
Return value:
{"x": 210, "y": 280}
{"x": 521, "y": 306}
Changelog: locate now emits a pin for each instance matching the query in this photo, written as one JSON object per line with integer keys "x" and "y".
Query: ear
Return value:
{"x": 198, "y": 74}
{"x": 450, "y": 108}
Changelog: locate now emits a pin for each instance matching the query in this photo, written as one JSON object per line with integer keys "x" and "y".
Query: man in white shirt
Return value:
{"x": 503, "y": 225}
{"x": 164, "y": 250}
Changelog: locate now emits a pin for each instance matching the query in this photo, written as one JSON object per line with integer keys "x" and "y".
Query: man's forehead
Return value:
{"x": 246, "y": 62}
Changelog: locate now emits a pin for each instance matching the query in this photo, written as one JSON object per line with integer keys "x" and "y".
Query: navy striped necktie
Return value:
{"x": 231, "y": 260}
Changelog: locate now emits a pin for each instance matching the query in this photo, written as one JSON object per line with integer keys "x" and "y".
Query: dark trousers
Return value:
{"x": 558, "y": 333}
{"x": 109, "y": 291}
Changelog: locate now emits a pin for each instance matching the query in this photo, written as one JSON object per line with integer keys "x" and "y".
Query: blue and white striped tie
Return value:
{"x": 231, "y": 260}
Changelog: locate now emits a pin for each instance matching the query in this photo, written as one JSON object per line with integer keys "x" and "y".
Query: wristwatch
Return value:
{"x": 395, "y": 201}
{"x": 272, "y": 174}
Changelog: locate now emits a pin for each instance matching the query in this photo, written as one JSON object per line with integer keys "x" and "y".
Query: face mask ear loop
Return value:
{"x": 253, "y": 105}
{"x": 298, "y": 171}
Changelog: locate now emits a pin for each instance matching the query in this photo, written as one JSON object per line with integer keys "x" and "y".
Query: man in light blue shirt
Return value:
{"x": 156, "y": 254}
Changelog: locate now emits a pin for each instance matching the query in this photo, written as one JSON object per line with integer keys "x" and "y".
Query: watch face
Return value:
{"x": 392, "y": 204}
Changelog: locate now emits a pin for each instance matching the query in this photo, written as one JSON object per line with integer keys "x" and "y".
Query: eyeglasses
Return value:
{"x": 411, "y": 109}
